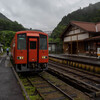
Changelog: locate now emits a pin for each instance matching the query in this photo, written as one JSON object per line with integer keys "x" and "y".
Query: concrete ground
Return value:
{"x": 9, "y": 87}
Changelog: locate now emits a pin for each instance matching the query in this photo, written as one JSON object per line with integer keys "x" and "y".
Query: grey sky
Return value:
{"x": 40, "y": 14}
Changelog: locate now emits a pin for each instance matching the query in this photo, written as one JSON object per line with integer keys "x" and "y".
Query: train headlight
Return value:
{"x": 44, "y": 57}
{"x": 20, "y": 57}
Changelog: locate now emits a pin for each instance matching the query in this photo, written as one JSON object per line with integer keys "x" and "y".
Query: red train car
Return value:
{"x": 29, "y": 50}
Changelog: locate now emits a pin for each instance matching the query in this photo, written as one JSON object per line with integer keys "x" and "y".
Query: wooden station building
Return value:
{"x": 81, "y": 38}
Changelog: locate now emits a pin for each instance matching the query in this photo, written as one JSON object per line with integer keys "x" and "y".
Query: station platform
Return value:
{"x": 83, "y": 62}
{"x": 9, "y": 87}
{"x": 83, "y": 59}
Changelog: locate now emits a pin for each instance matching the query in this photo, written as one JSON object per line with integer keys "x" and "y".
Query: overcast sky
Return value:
{"x": 40, "y": 14}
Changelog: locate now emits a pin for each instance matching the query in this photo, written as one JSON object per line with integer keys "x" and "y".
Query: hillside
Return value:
{"x": 7, "y": 24}
{"x": 7, "y": 30}
{"x": 88, "y": 14}
{"x": 4, "y": 17}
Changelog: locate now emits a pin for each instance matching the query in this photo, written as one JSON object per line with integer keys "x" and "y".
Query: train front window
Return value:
{"x": 32, "y": 44}
{"x": 43, "y": 42}
{"x": 21, "y": 41}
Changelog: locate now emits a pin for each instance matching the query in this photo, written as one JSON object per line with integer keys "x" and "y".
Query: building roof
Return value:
{"x": 86, "y": 26}
{"x": 93, "y": 38}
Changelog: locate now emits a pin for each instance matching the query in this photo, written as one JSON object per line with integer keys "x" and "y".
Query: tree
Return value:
{"x": 6, "y": 37}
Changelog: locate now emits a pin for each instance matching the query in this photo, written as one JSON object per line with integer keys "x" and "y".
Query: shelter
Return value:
{"x": 81, "y": 38}
{"x": 52, "y": 47}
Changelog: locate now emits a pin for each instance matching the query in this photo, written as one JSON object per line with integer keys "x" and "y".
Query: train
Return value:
{"x": 29, "y": 51}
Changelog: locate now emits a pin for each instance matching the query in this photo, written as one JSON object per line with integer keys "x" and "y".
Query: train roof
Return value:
{"x": 35, "y": 32}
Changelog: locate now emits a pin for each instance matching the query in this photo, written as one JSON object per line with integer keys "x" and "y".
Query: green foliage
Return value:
{"x": 57, "y": 40}
{"x": 35, "y": 97}
{"x": 7, "y": 30}
{"x": 88, "y": 14}
{"x": 4, "y": 17}
{"x": 56, "y": 32}
{"x": 9, "y": 25}
{"x": 6, "y": 38}
{"x": 51, "y": 40}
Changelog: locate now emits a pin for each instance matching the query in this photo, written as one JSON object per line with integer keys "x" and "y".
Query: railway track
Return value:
{"x": 48, "y": 90}
{"x": 88, "y": 82}
{"x": 51, "y": 88}
{"x": 80, "y": 73}
{"x": 45, "y": 86}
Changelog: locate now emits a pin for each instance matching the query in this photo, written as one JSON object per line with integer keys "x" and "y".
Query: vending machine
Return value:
{"x": 98, "y": 53}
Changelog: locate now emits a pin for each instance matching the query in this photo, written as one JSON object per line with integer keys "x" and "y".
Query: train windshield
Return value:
{"x": 21, "y": 41}
{"x": 43, "y": 42}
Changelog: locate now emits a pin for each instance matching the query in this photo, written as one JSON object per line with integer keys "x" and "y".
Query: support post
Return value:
{"x": 77, "y": 44}
{"x": 71, "y": 45}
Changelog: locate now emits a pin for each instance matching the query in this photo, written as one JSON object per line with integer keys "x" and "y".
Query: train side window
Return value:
{"x": 32, "y": 44}
{"x": 43, "y": 42}
{"x": 21, "y": 41}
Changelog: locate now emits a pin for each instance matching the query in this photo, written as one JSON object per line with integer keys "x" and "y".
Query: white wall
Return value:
{"x": 67, "y": 39}
{"x": 72, "y": 35}
{"x": 71, "y": 32}
{"x": 83, "y": 36}
{"x": 74, "y": 31}
{"x": 77, "y": 31}
{"x": 53, "y": 47}
{"x": 74, "y": 38}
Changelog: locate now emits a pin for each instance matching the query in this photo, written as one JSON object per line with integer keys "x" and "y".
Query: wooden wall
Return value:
{"x": 75, "y": 34}
{"x": 81, "y": 48}
{"x": 65, "y": 47}
{"x": 74, "y": 40}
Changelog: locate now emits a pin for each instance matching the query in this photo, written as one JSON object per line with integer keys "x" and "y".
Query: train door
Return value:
{"x": 32, "y": 50}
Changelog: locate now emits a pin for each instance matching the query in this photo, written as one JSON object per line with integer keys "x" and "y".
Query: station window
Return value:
{"x": 21, "y": 41}
{"x": 32, "y": 44}
{"x": 43, "y": 42}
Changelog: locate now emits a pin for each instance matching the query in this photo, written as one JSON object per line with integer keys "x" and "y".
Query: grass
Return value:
{"x": 36, "y": 97}
{"x": 31, "y": 91}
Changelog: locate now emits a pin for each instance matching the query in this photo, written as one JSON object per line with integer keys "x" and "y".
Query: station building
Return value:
{"x": 81, "y": 38}
{"x": 52, "y": 47}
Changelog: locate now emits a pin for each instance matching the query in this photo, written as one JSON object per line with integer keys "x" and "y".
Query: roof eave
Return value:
{"x": 72, "y": 24}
